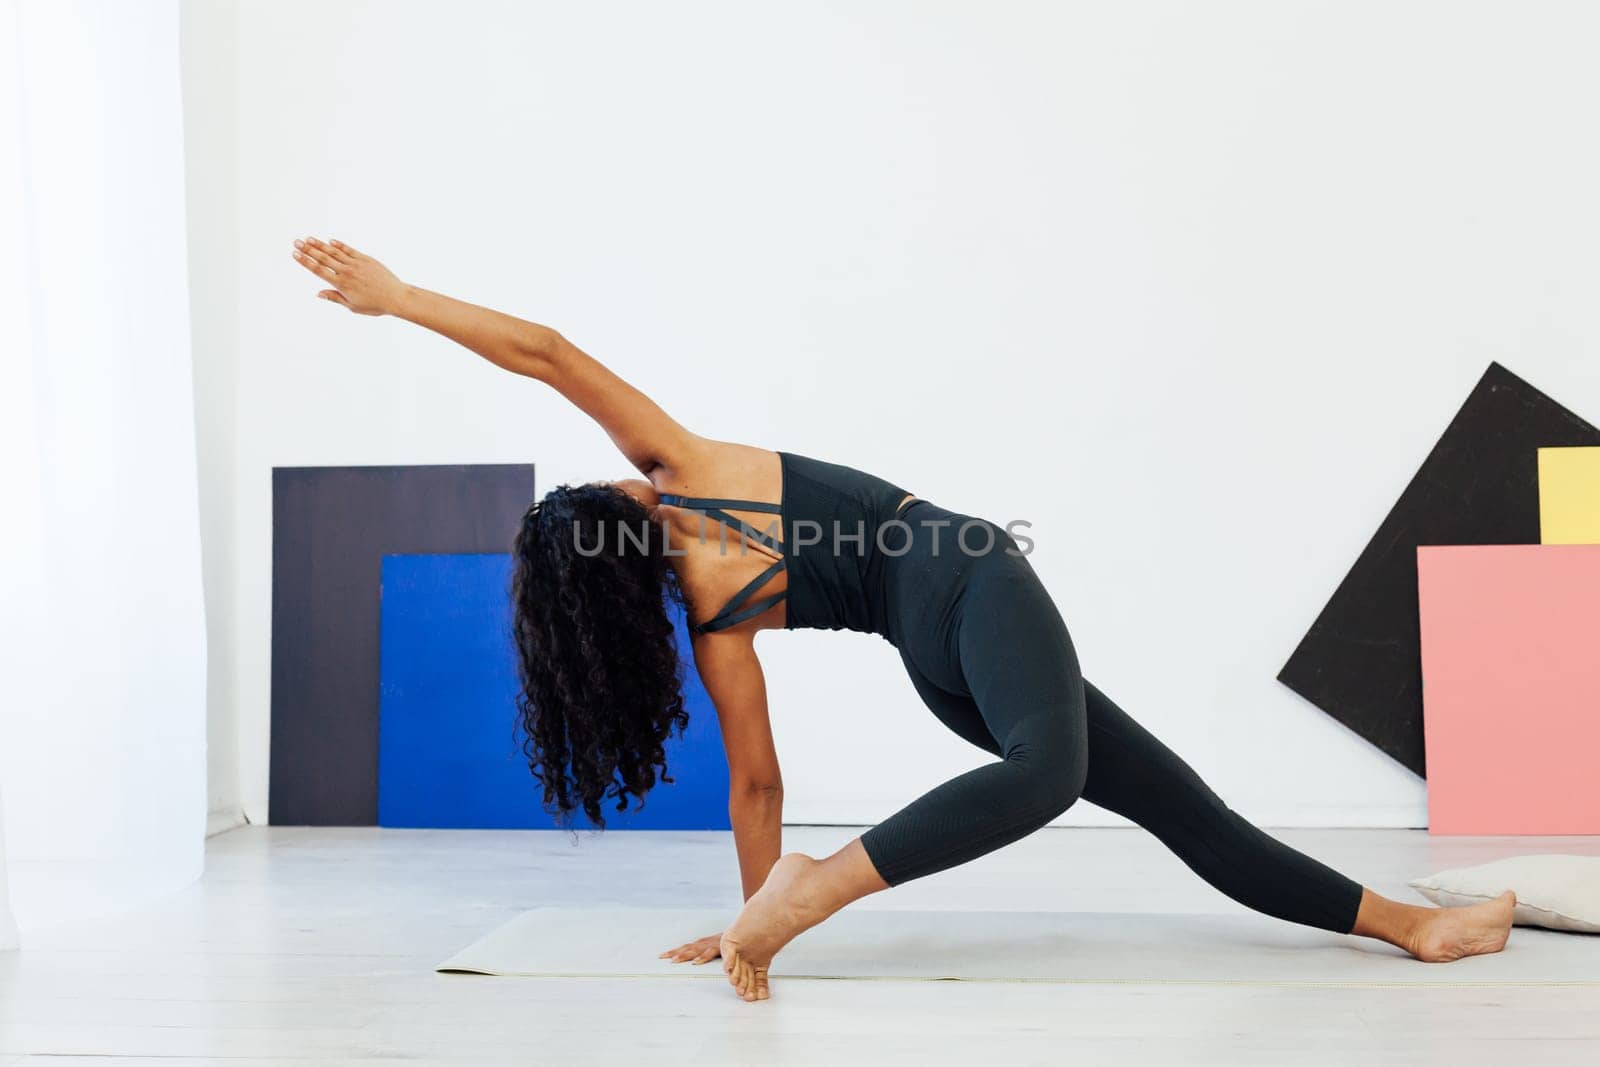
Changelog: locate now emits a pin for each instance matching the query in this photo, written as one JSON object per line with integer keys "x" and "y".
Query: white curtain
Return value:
{"x": 8, "y": 925}
{"x": 102, "y": 685}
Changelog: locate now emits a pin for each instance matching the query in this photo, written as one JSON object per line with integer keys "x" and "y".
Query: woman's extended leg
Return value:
{"x": 1136, "y": 776}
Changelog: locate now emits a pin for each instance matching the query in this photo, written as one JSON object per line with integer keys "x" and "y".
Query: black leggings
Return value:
{"x": 990, "y": 656}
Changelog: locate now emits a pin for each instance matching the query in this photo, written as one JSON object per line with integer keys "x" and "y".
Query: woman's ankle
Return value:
{"x": 843, "y": 878}
{"x": 1388, "y": 920}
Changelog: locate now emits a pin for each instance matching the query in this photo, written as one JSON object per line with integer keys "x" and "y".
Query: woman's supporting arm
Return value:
{"x": 644, "y": 433}
{"x": 733, "y": 679}
{"x": 756, "y": 816}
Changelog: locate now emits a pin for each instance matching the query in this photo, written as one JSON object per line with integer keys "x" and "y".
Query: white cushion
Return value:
{"x": 1559, "y": 892}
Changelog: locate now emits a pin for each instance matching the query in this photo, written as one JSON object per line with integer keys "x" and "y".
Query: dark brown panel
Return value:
{"x": 331, "y": 527}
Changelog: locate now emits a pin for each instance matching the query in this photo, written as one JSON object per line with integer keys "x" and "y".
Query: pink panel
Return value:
{"x": 1511, "y": 687}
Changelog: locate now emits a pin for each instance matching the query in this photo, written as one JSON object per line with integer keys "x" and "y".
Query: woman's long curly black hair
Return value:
{"x": 602, "y": 685}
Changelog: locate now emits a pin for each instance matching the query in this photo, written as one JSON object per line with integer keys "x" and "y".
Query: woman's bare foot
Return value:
{"x": 798, "y": 893}
{"x": 788, "y": 903}
{"x": 1448, "y": 934}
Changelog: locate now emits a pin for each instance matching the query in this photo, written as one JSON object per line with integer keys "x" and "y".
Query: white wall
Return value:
{"x": 1193, "y": 288}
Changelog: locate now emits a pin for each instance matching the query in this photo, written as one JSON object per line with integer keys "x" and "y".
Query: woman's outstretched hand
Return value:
{"x": 359, "y": 282}
{"x": 702, "y": 951}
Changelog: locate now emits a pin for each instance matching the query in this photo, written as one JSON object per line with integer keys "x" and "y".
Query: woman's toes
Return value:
{"x": 733, "y": 974}
{"x": 749, "y": 981}
{"x": 745, "y": 980}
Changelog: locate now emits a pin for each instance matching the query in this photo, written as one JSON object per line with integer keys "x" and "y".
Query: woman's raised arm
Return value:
{"x": 648, "y": 436}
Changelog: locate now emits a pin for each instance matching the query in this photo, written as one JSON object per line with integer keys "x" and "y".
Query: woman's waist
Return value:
{"x": 918, "y": 530}
{"x": 837, "y": 568}
{"x": 939, "y": 552}
{"x": 858, "y": 536}
{"x": 872, "y": 574}
{"x": 923, "y": 529}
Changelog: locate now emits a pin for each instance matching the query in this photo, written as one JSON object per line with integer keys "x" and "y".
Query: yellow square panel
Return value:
{"x": 1569, "y": 496}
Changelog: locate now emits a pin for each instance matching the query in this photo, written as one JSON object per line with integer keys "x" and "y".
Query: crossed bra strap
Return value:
{"x": 738, "y": 608}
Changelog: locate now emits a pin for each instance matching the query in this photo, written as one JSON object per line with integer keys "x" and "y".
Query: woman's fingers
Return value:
{"x": 334, "y": 253}
{"x": 304, "y": 260}
{"x": 322, "y": 257}
{"x": 688, "y": 951}
{"x": 349, "y": 252}
{"x": 702, "y": 951}
{"x": 311, "y": 249}
{"x": 312, "y": 264}
{"x": 334, "y": 295}
{"x": 325, "y": 273}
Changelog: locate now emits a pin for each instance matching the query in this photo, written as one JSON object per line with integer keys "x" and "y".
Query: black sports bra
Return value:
{"x": 738, "y": 608}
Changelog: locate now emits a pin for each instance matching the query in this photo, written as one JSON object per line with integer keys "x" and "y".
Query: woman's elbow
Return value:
{"x": 537, "y": 351}
{"x": 756, "y": 788}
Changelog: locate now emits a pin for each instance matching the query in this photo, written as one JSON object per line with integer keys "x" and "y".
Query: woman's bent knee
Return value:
{"x": 1060, "y": 790}
{"x": 1054, "y": 765}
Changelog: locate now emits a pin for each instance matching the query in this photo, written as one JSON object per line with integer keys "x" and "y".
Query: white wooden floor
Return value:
{"x": 312, "y": 946}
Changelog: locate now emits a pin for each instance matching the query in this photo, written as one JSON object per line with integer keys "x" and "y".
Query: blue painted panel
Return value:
{"x": 449, "y": 752}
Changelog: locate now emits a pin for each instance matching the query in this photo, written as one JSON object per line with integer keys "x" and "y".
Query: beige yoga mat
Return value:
{"x": 1017, "y": 946}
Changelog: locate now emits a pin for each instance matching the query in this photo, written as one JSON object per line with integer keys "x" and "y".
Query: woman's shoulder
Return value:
{"x": 725, "y": 469}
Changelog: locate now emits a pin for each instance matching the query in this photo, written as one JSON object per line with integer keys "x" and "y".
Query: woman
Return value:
{"x": 751, "y": 540}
